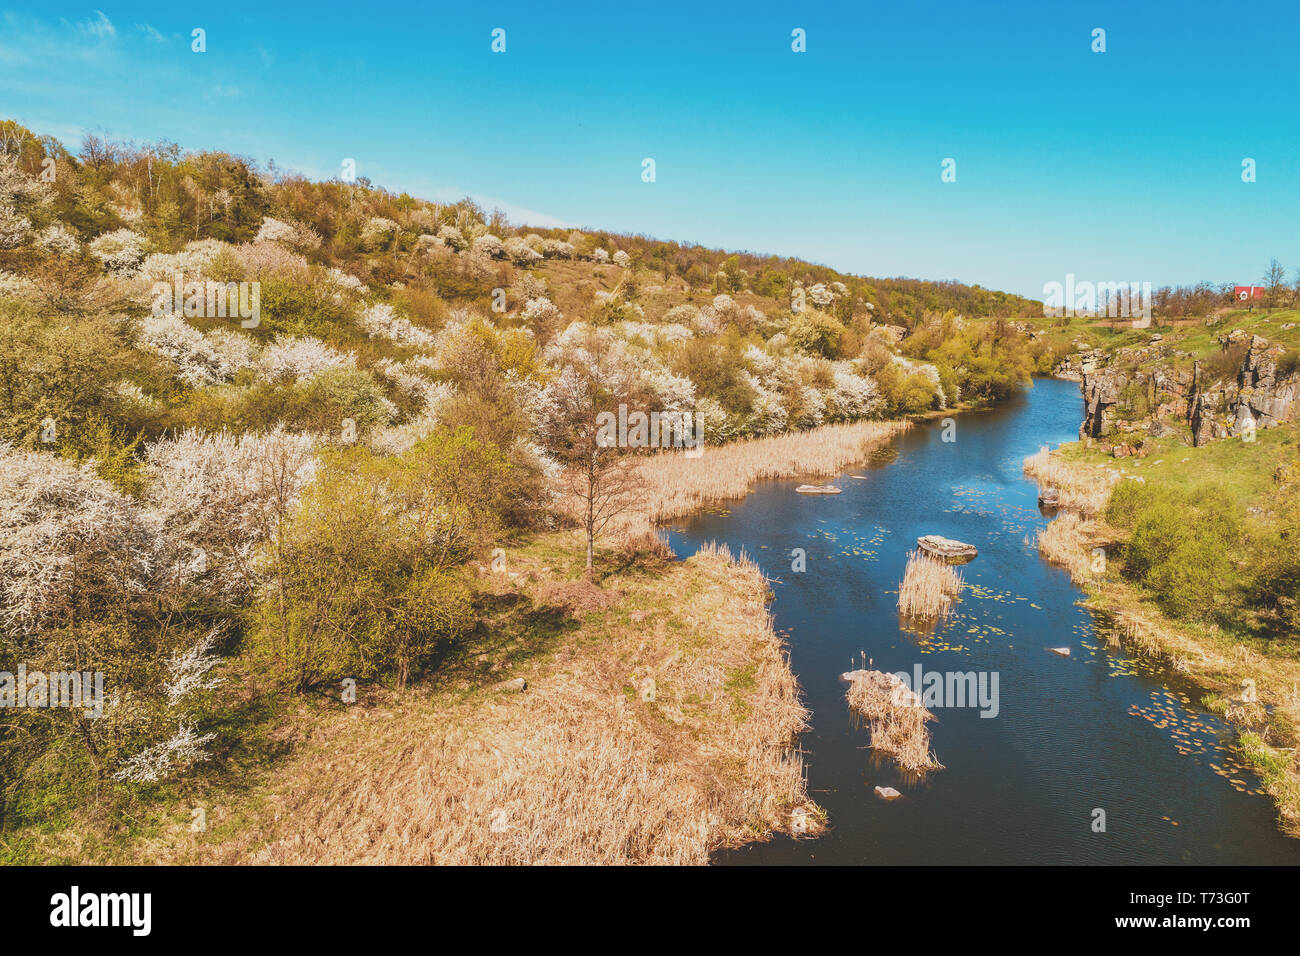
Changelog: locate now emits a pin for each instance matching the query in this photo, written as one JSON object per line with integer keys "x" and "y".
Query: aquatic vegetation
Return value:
{"x": 929, "y": 588}
{"x": 896, "y": 719}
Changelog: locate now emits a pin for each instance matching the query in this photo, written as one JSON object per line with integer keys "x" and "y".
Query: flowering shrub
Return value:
{"x": 69, "y": 541}
{"x": 599, "y": 255}
{"x": 853, "y": 397}
{"x": 378, "y": 232}
{"x": 20, "y": 197}
{"x": 347, "y": 281}
{"x": 301, "y": 357}
{"x": 293, "y": 234}
{"x": 381, "y": 320}
{"x": 190, "y": 262}
{"x": 59, "y": 239}
{"x": 221, "y": 494}
{"x": 622, "y": 259}
{"x": 520, "y": 253}
{"x": 490, "y": 246}
{"x": 197, "y": 362}
{"x": 453, "y": 238}
{"x": 263, "y": 259}
{"x": 821, "y": 296}
{"x": 120, "y": 251}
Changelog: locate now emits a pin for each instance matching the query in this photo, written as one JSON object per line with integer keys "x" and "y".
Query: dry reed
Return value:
{"x": 896, "y": 719}
{"x": 1084, "y": 488}
{"x": 672, "y": 484}
{"x": 929, "y": 588}
{"x": 585, "y": 766}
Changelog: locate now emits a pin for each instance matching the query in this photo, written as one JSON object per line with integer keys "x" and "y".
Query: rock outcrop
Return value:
{"x": 1149, "y": 391}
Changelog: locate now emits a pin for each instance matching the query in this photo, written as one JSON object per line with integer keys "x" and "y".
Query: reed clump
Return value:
{"x": 673, "y": 484}
{"x": 1083, "y": 487}
{"x": 895, "y": 717}
{"x": 929, "y": 589}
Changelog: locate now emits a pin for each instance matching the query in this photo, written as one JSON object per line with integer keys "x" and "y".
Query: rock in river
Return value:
{"x": 946, "y": 549}
{"x": 818, "y": 490}
{"x": 887, "y": 793}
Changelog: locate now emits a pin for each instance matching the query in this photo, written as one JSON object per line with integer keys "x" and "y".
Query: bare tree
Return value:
{"x": 1274, "y": 283}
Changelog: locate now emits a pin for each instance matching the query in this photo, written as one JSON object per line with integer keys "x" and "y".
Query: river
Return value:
{"x": 1095, "y": 731}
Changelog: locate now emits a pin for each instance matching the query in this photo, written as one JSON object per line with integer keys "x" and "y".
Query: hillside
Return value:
{"x": 271, "y": 449}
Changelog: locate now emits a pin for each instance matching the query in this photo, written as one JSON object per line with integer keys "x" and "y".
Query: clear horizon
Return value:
{"x": 1117, "y": 166}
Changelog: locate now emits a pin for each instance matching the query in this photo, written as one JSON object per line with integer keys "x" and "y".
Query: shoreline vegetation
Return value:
{"x": 1252, "y": 682}
{"x": 645, "y": 730}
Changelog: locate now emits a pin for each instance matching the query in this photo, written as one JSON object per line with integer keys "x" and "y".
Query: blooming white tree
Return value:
{"x": 382, "y": 321}
{"x": 301, "y": 357}
{"x": 853, "y": 396}
{"x": 68, "y": 538}
{"x": 221, "y": 495}
{"x": 59, "y": 239}
{"x": 453, "y": 238}
{"x": 197, "y": 362}
{"x": 490, "y": 246}
{"x": 296, "y": 235}
{"x": 20, "y": 197}
{"x": 120, "y": 251}
{"x": 599, "y": 255}
{"x": 622, "y": 259}
{"x": 821, "y": 296}
{"x": 378, "y": 231}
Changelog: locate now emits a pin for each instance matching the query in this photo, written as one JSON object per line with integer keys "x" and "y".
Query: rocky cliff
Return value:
{"x": 1156, "y": 390}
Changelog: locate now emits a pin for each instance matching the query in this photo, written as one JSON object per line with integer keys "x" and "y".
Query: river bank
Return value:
{"x": 651, "y": 719}
{"x": 1097, "y": 729}
{"x": 1250, "y": 682}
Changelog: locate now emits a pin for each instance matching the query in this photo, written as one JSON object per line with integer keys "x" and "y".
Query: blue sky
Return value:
{"x": 1115, "y": 166}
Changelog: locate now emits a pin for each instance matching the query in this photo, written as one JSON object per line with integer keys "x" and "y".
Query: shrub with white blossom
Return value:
{"x": 69, "y": 541}
{"x": 622, "y": 259}
{"x": 197, "y": 362}
{"x": 59, "y": 239}
{"x": 120, "y": 251}
{"x": 301, "y": 357}
{"x": 220, "y": 495}
{"x": 381, "y": 320}
{"x": 296, "y": 235}
{"x": 453, "y": 238}
{"x": 378, "y": 232}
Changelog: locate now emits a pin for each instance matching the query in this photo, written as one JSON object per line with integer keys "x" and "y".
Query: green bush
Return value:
{"x": 367, "y": 580}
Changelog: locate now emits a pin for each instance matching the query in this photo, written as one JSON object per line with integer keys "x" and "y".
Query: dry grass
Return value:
{"x": 897, "y": 720}
{"x": 1084, "y": 488}
{"x": 663, "y": 728}
{"x": 929, "y": 588}
{"x": 1069, "y": 541}
{"x": 672, "y": 485}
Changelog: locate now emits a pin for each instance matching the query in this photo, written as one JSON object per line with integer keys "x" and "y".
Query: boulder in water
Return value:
{"x": 887, "y": 793}
{"x": 1062, "y": 651}
{"x": 946, "y": 549}
{"x": 817, "y": 490}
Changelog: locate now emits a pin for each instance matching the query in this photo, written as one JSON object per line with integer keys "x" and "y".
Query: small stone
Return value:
{"x": 887, "y": 793}
{"x": 516, "y": 685}
{"x": 1063, "y": 651}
